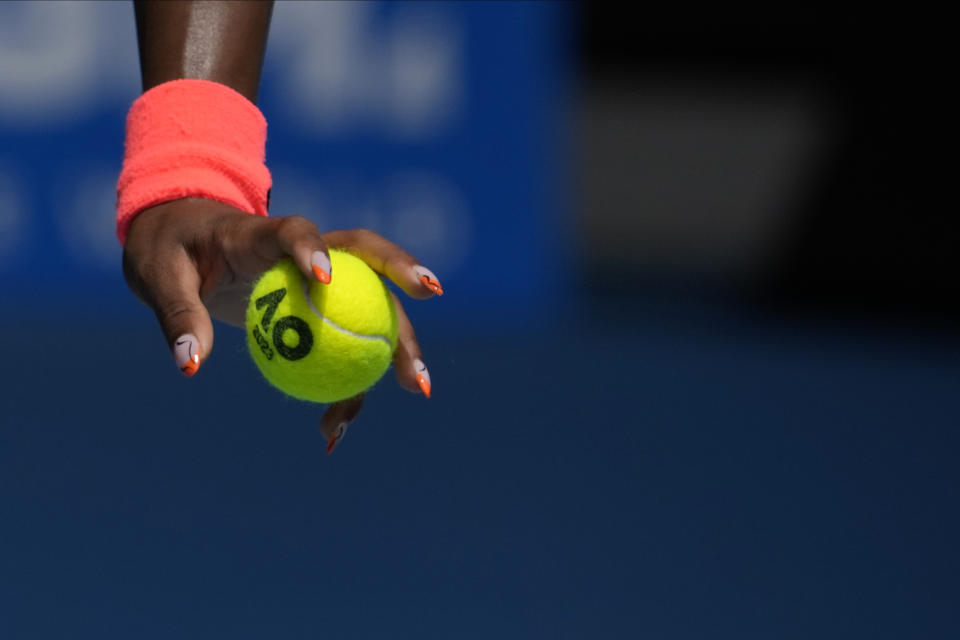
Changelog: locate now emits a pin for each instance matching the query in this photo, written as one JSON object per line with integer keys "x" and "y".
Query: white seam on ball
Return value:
{"x": 306, "y": 294}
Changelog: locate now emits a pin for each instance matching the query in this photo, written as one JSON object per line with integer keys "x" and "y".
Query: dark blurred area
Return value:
{"x": 793, "y": 157}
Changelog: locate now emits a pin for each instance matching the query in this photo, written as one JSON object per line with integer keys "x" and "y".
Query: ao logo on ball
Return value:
{"x": 287, "y": 323}
{"x": 334, "y": 340}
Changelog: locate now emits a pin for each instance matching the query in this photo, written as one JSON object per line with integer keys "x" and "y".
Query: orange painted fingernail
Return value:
{"x": 337, "y": 437}
{"x": 423, "y": 376}
{"x": 428, "y": 279}
{"x": 321, "y": 275}
{"x": 320, "y": 264}
{"x": 186, "y": 353}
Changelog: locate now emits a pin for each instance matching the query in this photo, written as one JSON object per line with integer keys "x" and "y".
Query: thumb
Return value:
{"x": 183, "y": 317}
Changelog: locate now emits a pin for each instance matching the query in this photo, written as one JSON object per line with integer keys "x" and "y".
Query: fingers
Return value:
{"x": 173, "y": 292}
{"x": 297, "y": 237}
{"x": 411, "y": 373}
{"x": 388, "y": 259}
{"x": 335, "y": 421}
{"x": 293, "y": 236}
{"x": 408, "y": 363}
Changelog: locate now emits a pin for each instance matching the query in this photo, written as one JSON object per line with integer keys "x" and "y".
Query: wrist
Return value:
{"x": 192, "y": 139}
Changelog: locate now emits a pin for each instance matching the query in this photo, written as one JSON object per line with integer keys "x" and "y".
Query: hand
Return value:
{"x": 192, "y": 258}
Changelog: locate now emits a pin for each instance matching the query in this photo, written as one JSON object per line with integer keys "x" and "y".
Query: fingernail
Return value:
{"x": 423, "y": 376}
{"x": 186, "y": 353}
{"x": 321, "y": 266}
{"x": 428, "y": 279}
{"x": 337, "y": 436}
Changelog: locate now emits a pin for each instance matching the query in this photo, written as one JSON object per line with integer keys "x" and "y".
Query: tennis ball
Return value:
{"x": 322, "y": 342}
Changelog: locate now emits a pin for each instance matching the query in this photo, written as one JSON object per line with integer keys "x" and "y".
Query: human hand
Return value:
{"x": 192, "y": 258}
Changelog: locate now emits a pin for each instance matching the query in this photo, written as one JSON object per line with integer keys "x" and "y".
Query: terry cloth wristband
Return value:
{"x": 192, "y": 139}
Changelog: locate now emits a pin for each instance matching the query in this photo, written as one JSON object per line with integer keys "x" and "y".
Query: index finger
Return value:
{"x": 388, "y": 259}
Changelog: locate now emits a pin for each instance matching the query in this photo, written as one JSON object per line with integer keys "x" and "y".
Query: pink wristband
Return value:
{"x": 192, "y": 139}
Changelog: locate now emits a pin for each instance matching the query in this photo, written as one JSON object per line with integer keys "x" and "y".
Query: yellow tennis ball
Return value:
{"x": 322, "y": 342}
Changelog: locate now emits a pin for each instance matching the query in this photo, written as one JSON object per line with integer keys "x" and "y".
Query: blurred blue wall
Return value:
{"x": 437, "y": 125}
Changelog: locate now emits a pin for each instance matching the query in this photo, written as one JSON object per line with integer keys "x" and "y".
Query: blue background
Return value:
{"x": 656, "y": 477}
{"x": 594, "y": 463}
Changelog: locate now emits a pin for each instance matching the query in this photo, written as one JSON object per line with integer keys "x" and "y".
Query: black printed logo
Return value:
{"x": 269, "y": 304}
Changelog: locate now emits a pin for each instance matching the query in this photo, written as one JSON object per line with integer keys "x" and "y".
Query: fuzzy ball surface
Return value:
{"x": 322, "y": 342}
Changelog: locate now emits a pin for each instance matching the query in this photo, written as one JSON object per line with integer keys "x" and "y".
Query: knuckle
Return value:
{"x": 357, "y": 237}
{"x": 172, "y": 311}
{"x": 297, "y": 230}
{"x": 225, "y": 237}
{"x": 295, "y": 224}
{"x": 365, "y": 235}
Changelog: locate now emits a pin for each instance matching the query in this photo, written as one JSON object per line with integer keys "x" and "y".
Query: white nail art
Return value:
{"x": 320, "y": 259}
{"x": 421, "y": 271}
{"x": 186, "y": 353}
{"x": 421, "y": 369}
{"x": 429, "y": 279}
